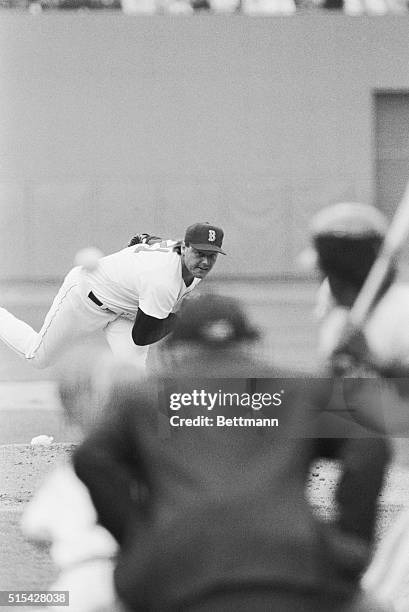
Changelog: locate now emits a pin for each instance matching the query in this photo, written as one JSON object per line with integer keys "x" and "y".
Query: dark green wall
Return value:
{"x": 111, "y": 125}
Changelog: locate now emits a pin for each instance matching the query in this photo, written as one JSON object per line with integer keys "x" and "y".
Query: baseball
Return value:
{"x": 42, "y": 440}
{"x": 88, "y": 258}
{"x": 307, "y": 260}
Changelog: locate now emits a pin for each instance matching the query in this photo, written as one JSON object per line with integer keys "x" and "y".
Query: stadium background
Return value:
{"x": 111, "y": 125}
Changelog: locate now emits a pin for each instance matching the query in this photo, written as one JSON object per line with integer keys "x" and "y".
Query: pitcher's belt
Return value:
{"x": 126, "y": 315}
{"x": 94, "y": 299}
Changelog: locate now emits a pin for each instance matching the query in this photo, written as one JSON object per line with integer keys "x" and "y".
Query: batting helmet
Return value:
{"x": 350, "y": 220}
{"x": 347, "y": 238}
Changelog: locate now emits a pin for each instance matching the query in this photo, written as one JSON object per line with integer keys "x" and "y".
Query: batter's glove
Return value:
{"x": 351, "y": 352}
{"x": 143, "y": 239}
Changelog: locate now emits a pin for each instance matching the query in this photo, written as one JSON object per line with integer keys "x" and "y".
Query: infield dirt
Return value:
{"x": 24, "y": 565}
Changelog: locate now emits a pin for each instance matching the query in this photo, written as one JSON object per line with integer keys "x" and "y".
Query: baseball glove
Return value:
{"x": 143, "y": 239}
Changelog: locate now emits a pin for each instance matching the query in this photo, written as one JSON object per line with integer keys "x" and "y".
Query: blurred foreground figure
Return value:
{"x": 61, "y": 512}
{"x": 347, "y": 239}
{"x": 202, "y": 481}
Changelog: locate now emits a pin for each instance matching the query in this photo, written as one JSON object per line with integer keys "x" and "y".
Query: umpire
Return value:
{"x": 214, "y": 518}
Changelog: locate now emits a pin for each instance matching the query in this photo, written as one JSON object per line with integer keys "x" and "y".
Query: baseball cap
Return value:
{"x": 349, "y": 220}
{"x": 213, "y": 320}
{"x": 205, "y": 237}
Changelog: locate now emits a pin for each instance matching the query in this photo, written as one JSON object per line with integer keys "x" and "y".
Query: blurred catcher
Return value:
{"x": 221, "y": 521}
{"x": 131, "y": 295}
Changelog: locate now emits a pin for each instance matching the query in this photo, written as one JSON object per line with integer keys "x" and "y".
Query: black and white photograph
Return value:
{"x": 204, "y": 305}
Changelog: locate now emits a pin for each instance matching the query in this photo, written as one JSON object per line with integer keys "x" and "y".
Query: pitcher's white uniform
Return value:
{"x": 149, "y": 277}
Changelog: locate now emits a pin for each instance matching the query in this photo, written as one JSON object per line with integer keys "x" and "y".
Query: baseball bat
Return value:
{"x": 392, "y": 244}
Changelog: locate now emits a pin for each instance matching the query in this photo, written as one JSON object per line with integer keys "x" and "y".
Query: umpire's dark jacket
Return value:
{"x": 197, "y": 509}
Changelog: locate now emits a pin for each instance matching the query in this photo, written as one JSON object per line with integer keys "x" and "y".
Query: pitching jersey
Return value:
{"x": 142, "y": 276}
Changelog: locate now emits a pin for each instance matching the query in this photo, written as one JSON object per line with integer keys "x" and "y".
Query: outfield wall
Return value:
{"x": 111, "y": 125}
